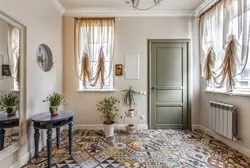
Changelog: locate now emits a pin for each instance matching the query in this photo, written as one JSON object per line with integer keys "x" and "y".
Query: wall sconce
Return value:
{"x": 44, "y": 57}
{"x": 40, "y": 58}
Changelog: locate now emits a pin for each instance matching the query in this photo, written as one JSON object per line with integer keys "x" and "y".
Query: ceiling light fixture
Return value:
{"x": 135, "y": 4}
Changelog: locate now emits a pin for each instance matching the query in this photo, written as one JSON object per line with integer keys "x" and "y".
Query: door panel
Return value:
{"x": 169, "y": 68}
{"x": 164, "y": 113}
{"x": 169, "y": 96}
{"x": 168, "y": 83}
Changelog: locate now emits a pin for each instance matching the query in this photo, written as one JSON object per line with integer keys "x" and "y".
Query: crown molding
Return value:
{"x": 204, "y": 6}
{"x": 95, "y": 12}
{"x": 58, "y": 6}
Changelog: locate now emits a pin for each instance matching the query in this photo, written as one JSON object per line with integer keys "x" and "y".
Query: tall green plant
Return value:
{"x": 108, "y": 110}
{"x": 9, "y": 99}
{"x": 56, "y": 99}
{"x": 128, "y": 97}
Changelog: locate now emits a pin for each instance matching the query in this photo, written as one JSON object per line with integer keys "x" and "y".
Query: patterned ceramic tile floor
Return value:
{"x": 11, "y": 139}
{"x": 146, "y": 149}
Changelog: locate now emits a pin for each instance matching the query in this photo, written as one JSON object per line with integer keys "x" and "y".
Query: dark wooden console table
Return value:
{"x": 6, "y": 122}
{"x": 46, "y": 121}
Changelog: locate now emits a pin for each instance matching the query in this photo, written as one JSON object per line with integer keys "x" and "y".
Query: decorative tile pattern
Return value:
{"x": 146, "y": 149}
{"x": 109, "y": 163}
{"x": 11, "y": 139}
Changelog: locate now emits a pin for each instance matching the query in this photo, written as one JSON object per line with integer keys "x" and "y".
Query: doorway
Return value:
{"x": 168, "y": 84}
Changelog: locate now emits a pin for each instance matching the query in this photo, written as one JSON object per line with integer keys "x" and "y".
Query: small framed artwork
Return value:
{"x": 118, "y": 69}
{"x": 6, "y": 70}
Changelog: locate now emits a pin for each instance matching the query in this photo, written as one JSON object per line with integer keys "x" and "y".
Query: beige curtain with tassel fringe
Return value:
{"x": 226, "y": 28}
{"x": 209, "y": 63}
{"x": 94, "y": 45}
{"x": 14, "y": 52}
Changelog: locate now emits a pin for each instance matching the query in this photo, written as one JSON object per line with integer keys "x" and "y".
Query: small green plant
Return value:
{"x": 108, "y": 110}
{"x": 128, "y": 97}
{"x": 8, "y": 100}
{"x": 56, "y": 99}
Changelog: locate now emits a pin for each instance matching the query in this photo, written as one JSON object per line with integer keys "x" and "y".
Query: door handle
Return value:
{"x": 153, "y": 88}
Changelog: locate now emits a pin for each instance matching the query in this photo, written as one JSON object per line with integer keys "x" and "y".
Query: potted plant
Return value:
{"x": 108, "y": 110}
{"x": 55, "y": 101}
{"x": 128, "y": 98}
{"x": 9, "y": 103}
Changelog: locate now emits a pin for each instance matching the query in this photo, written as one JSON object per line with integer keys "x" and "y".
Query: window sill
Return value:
{"x": 96, "y": 90}
{"x": 235, "y": 93}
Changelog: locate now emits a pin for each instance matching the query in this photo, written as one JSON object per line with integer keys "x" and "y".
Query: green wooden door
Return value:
{"x": 168, "y": 85}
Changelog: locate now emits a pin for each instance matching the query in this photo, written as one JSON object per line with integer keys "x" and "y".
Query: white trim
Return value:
{"x": 195, "y": 127}
{"x": 237, "y": 145}
{"x": 204, "y": 6}
{"x": 98, "y": 13}
{"x": 237, "y": 92}
{"x": 100, "y": 126}
{"x": 10, "y": 150}
{"x": 58, "y": 6}
{"x": 25, "y": 158}
{"x": 96, "y": 90}
{"x": 23, "y": 100}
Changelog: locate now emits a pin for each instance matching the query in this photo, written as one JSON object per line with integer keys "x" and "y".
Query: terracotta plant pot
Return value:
{"x": 109, "y": 129}
{"x": 130, "y": 128}
{"x": 54, "y": 110}
{"x": 11, "y": 110}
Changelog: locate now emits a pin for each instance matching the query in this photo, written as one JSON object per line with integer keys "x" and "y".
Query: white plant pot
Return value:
{"x": 109, "y": 129}
{"x": 130, "y": 113}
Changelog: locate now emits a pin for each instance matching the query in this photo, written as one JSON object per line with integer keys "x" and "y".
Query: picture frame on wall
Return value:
{"x": 6, "y": 70}
{"x": 118, "y": 69}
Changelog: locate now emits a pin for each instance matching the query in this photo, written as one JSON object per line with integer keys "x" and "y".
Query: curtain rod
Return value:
{"x": 116, "y": 18}
{"x": 210, "y": 8}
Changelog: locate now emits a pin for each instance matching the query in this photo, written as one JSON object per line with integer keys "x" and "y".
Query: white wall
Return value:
{"x": 6, "y": 82}
{"x": 44, "y": 25}
{"x": 243, "y": 114}
{"x": 131, "y": 37}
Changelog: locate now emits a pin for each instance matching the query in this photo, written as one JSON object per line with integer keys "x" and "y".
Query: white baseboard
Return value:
{"x": 237, "y": 145}
{"x": 100, "y": 126}
{"x": 195, "y": 127}
{"x": 25, "y": 158}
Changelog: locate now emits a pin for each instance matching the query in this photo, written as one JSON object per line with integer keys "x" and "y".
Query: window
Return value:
{"x": 243, "y": 80}
{"x": 225, "y": 44}
{"x": 94, "y": 51}
{"x": 95, "y": 40}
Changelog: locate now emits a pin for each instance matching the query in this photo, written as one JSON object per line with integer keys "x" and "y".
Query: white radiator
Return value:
{"x": 222, "y": 119}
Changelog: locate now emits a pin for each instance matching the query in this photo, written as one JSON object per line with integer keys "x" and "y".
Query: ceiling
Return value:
{"x": 120, "y": 7}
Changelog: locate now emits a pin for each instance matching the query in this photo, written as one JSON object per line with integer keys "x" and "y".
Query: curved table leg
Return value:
{"x": 57, "y": 137}
{"x": 49, "y": 146}
{"x": 70, "y": 137}
{"x": 2, "y": 136}
{"x": 36, "y": 138}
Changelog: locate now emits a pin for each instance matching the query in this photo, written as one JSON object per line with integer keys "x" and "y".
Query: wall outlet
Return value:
{"x": 142, "y": 117}
{"x": 142, "y": 93}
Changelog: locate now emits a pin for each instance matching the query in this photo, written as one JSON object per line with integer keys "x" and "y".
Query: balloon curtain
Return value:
{"x": 94, "y": 45}
{"x": 224, "y": 42}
